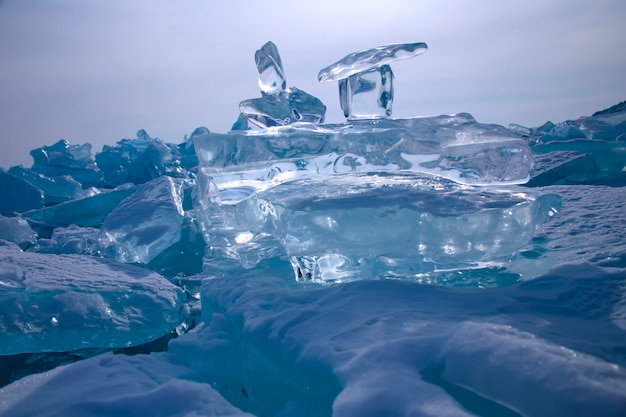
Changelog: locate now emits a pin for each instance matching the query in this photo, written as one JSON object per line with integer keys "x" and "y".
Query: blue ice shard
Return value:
{"x": 278, "y": 105}
{"x": 65, "y": 159}
{"x": 151, "y": 227}
{"x": 366, "y": 81}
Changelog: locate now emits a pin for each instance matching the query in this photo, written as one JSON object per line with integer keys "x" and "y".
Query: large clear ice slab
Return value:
{"x": 361, "y": 227}
{"x": 55, "y": 303}
{"x": 234, "y": 165}
{"x": 278, "y": 105}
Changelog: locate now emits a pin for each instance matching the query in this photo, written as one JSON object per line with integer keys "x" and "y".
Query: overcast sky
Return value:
{"x": 97, "y": 71}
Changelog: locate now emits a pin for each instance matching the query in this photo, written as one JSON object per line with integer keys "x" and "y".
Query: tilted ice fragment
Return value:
{"x": 288, "y": 106}
{"x": 87, "y": 212}
{"x": 18, "y": 195}
{"x": 270, "y": 68}
{"x": 146, "y": 223}
{"x": 55, "y": 190}
{"x": 64, "y": 302}
{"x": 71, "y": 239}
{"x": 369, "y": 59}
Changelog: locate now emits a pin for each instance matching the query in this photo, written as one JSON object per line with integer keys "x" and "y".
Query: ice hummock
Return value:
{"x": 505, "y": 316}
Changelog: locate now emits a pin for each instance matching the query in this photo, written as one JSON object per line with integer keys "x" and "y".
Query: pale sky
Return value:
{"x": 97, "y": 71}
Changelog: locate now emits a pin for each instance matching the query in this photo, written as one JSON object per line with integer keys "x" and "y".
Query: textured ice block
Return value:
{"x": 58, "y": 303}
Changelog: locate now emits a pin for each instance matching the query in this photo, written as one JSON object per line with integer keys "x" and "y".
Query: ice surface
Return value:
{"x": 357, "y": 62}
{"x": 278, "y": 105}
{"x": 55, "y": 303}
{"x": 395, "y": 348}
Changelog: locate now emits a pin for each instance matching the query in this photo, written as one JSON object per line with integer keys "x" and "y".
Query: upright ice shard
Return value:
{"x": 270, "y": 68}
{"x": 366, "y": 81}
{"x": 278, "y": 105}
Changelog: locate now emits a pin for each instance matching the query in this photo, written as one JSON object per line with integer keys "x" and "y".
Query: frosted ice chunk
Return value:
{"x": 270, "y": 68}
{"x": 17, "y": 230}
{"x": 64, "y": 302}
{"x": 119, "y": 385}
{"x": 278, "y": 105}
{"x": 368, "y": 94}
{"x": 71, "y": 239}
{"x": 338, "y": 229}
{"x": 366, "y": 60}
